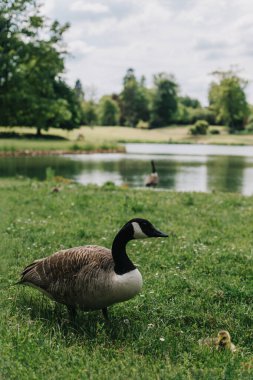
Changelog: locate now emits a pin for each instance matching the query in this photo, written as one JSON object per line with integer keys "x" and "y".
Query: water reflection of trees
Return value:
{"x": 35, "y": 167}
{"x": 225, "y": 173}
{"x": 131, "y": 171}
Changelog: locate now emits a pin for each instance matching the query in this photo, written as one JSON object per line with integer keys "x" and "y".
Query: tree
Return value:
{"x": 133, "y": 100}
{"x": 79, "y": 90}
{"x": 164, "y": 104}
{"x": 187, "y": 101}
{"x": 228, "y": 99}
{"x": 108, "y": 111}
{"x": 33, "y": 55}
{"x": 90, "y": 112}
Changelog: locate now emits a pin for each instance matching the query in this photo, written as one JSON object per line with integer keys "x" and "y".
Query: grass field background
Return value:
{"x": 108, "y": 138}
{"x": 196, "y": 282}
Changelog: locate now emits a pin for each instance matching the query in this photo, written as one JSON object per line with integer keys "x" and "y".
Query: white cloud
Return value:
{"x": 79, "y": 48}
{"x": 189, "y": 38}
{"x": 84, "y": 6}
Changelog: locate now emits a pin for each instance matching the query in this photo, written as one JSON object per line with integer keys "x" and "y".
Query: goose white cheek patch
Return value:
{"x": 138, "y": 233}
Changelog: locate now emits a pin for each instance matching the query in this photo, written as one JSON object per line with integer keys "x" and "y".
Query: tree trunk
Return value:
{"x": 38, "y": 131}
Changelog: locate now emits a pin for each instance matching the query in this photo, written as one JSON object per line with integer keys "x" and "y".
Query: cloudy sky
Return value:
{"x": 188, "y": 38}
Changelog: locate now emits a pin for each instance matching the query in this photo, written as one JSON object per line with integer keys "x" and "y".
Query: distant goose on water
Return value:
{"x": 152, "y": 179}
{"x": 91, "y": 277}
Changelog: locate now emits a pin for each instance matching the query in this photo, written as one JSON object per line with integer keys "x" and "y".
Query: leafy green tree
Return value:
{"x": 33, "y": 55}
{"x": 134, "y": 102}
{"x": 165, "y": 102}
{"x": 187, "y": 101}
{"x": 79, "y": 90}
{"x": 90, "y": 112}
{"x": 228, "y": 99}
{"x": 108, "y": 111}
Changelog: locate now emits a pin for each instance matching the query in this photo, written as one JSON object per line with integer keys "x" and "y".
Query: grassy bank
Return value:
{"x": 88, "y": 139}
{"x": 196, "y": 282}
{"x": 33, "y": 146}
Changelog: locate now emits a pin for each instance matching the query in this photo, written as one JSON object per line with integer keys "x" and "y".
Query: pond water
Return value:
{"x": 181, "y": 167}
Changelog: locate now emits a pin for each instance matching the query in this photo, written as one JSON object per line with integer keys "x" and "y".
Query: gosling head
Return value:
{"x": 139, "y": 228}
{"x": 224, "y": 338}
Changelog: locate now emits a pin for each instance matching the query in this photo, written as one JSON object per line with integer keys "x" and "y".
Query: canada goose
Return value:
{"x": 152, "y": 179}
{"x": 91, "y": 277}
{"x": 222, "y": 341}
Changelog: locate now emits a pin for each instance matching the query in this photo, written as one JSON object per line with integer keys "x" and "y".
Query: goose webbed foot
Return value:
{"x": 105, "y": 314}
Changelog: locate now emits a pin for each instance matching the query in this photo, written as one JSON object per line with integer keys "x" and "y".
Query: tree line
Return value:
{"x": 34, "y": 93}
{"x": 161, "y": 105}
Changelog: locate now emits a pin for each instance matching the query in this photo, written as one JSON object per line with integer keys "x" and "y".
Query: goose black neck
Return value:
{"x": 153, "y": 166}
{"x": 122, "y": 262}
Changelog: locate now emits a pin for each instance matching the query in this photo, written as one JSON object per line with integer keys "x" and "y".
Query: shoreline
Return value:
{"x": 37, "y": 153}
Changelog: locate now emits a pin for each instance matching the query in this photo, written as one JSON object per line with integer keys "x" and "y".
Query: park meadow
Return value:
{"x": 80, "y": 89}
{"x": 196, "y": 282}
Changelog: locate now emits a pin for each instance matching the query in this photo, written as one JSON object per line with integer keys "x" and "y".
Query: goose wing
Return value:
{"x": 64, "y": 266}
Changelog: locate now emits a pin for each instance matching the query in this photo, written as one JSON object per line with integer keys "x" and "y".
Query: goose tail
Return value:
{"x": 28, "y": 272}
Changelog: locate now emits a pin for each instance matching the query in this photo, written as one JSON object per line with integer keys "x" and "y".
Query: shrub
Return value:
{"x": 199, "y": 128}
{"x": 249, "y": 125}
{"x": 214, "y": 131}
{"x": 143, "y": 124}
{"x": 75, "y": 147}
{"x": 50, "y": 173}
{"x": 196, "y": 114}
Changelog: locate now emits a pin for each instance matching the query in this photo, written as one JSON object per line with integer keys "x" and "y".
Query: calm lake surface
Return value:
{"x": 181, "y": 167}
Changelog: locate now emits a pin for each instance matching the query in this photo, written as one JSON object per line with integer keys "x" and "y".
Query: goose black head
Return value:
{"x": 140, "y": 228}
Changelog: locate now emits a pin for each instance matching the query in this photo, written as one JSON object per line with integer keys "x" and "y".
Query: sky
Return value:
{"x": 187, "y": 38}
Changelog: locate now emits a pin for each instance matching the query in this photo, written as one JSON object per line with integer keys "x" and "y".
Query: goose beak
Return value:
{"x": 157, "y": 233}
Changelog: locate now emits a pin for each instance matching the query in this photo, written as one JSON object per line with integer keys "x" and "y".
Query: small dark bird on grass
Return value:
{"x": 91, "y": 277}
{"x": 152, "y": 180}
{"x": 55, "y": 189}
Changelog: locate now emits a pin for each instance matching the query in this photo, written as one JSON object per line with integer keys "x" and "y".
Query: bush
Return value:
{"x": 143, "y": 124}
{"x": 199, "y": 128}
{"x": 189, "y": 115}
{"x": 214, "y": 131}
{"x": 249, "y": 127}
{"x": 206, "y": 114}
{"x": 249, "y": 124}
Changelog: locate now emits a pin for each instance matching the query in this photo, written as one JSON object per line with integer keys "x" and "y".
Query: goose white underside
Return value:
{"x": 120, "y": 288}
{"x": 100, "y": 294}
{"x": 127, "y": 285}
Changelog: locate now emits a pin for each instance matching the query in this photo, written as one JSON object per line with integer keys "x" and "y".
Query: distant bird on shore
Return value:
{"x": 91, "y": 277}
{"x": 153, "y": 179}
{"x": 221, "y": 342}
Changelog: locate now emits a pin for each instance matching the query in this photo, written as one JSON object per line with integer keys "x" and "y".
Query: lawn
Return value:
{"x": 46, "y": 146}
{"x": 89, "y": 139}
{"x": 196, "y": 282}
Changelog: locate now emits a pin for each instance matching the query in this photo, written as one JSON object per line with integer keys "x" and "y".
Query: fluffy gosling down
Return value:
{"x": 91, "y": 277}
{"x": 221, "y": 342}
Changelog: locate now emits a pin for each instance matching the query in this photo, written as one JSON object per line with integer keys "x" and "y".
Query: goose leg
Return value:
{"x": 72, "y": 312}
{"x": 105, "y": 313}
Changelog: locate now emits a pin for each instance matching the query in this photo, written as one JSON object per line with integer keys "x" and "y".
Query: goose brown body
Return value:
{"x": 81, "y": 276}
{"x": 91, "y": 277}
{"x": 152, "y": 179}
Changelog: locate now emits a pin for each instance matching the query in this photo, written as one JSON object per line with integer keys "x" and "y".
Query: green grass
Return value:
{"x": 196, "y": 282}
{"x": 44, "y": 145}
{"x": 115, "y": 135}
